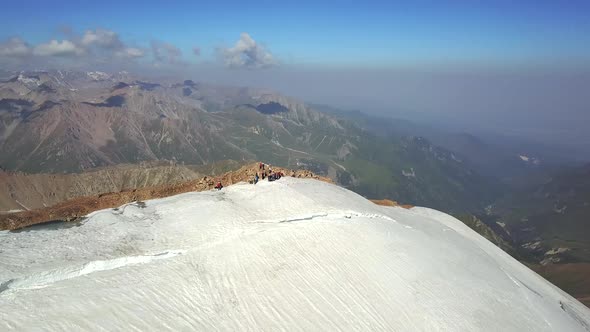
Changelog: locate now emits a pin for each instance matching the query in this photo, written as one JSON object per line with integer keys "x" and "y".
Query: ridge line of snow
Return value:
{"x": 46, "y": 278}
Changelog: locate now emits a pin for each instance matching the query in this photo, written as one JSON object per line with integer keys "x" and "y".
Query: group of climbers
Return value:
{"x": 275, "y": 176}
{"x": 270, "y": 175}
{"x": 264, "y": 174}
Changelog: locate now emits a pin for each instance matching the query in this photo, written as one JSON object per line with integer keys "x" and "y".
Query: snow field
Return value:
{"x": 294, "y": 254}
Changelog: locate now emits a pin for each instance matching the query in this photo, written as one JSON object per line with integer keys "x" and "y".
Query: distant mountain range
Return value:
{"x": 66, "y": 121}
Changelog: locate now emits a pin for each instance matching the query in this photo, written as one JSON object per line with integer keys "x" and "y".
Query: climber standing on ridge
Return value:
{"x": 218, "y": 186}
{"x": 256, "y": 178}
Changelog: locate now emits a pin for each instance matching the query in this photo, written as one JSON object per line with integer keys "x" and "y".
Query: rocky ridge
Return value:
{"x": 77, "y": 208}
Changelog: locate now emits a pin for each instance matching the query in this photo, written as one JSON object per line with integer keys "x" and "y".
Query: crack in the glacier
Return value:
{"x": 5, "y": 285}
{"x": 52, "y": 225}
{"x": 346, "y": 215}
{"x": 574, "y": 314}
{"x": 121, "y": 209}
{"x": 304, "y": 218}
{"x": 45, "y": 278}
{"x": 519, "y": 282}
{"x": 529, "y": 288}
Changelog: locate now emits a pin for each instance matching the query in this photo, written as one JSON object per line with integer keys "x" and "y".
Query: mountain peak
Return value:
{"x": 288, "y": 254}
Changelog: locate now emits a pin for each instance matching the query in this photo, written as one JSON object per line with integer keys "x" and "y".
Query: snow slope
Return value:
{"x": 292, "y": 254}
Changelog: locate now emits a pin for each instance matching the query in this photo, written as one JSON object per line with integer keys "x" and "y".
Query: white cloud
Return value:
{"x": 102, "y": 38}
{"x": 130, "y": 53}
{"x": 14, "y": 47}
{"x": 246, "y": 53}
{"x": 58, "y": 48}
{"x": 98, "y": 46}
{"x": 105, "y": 43}
{"x": 165, "y": 52}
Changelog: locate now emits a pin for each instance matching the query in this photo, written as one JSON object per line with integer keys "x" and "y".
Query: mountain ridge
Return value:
{"x": 78, "y": 207}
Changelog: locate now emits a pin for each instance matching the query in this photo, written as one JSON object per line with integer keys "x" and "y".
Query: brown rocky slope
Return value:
{"x": 22, "y": 191}
{"x": 78, "y": 207}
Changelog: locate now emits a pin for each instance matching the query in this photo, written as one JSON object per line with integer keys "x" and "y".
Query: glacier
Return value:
{"x": 293, "y": 254}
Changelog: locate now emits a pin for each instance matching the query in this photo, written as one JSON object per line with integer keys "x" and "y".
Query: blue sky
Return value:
{"x": 518, "y": 66}
{"x": 343, "y": 33}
